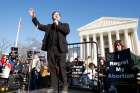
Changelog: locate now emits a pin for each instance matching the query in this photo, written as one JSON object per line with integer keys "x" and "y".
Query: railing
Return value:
{"x": 82, "y": 46}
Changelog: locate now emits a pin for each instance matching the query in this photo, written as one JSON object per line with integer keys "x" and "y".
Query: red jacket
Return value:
{"x": 3, "y": 59}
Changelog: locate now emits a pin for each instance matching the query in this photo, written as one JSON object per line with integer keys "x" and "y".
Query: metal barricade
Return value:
{"x": 79, "y": 56}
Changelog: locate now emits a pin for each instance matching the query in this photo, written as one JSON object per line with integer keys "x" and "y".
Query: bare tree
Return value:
{"x": 5, "y": 45}
{"x": 32, "y": 44}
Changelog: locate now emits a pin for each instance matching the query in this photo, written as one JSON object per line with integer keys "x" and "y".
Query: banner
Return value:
{"x": 119, "y": 66}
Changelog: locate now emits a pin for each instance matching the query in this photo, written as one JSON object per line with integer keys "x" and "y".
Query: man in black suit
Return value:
{"x": 55, "y": 44}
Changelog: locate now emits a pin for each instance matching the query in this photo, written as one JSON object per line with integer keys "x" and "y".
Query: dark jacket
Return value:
{"x": 62, "y": 29}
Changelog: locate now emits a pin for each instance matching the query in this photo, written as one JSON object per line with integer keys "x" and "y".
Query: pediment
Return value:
{"x": 106, "y": 21}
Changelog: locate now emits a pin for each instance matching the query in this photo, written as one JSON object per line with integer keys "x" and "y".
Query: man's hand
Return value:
{"x": 56, "y": 22}
{"x": 32, "y": 12}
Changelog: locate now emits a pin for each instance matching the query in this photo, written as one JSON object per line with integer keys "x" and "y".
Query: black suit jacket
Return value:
{"x": 63, "y": 31}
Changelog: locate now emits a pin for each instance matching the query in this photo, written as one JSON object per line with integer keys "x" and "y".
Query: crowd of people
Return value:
{"x": 92, "y": 74}
{"x": 34, "y": 71}
{"x": 82, "y": 73}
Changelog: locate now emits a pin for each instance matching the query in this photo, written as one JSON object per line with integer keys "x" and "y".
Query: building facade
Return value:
{"x": 105, "y": 31}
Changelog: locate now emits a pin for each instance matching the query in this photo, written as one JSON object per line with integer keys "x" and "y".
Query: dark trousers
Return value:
{"x": 35, "y": 79}
{"x": 57, "y": 67}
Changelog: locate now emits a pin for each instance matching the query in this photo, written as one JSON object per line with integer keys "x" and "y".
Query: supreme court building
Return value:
{"x": 105, "y": 31}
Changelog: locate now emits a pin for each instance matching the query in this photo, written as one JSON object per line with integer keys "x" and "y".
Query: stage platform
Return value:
{"x": 45, "y": 91}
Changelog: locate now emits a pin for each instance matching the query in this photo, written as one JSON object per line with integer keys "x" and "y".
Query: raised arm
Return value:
{"x": 35, "y": 21}
{"x": 38, "y": 25}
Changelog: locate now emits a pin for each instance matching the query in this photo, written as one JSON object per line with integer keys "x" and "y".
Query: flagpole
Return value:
{"x": 19, "y": 26}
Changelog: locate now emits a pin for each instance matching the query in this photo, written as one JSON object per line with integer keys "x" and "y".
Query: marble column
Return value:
{"x": 110, "y": 42}
{"x": 126, "y": 38}
{"x": 94, "y": 50}
{"x": 102, "y": 45}
{"x": 88, "y": 46}
{"x": 136, "y": 42}
{"x": 81, "y": 47}
{"x": 117, "y": 35}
